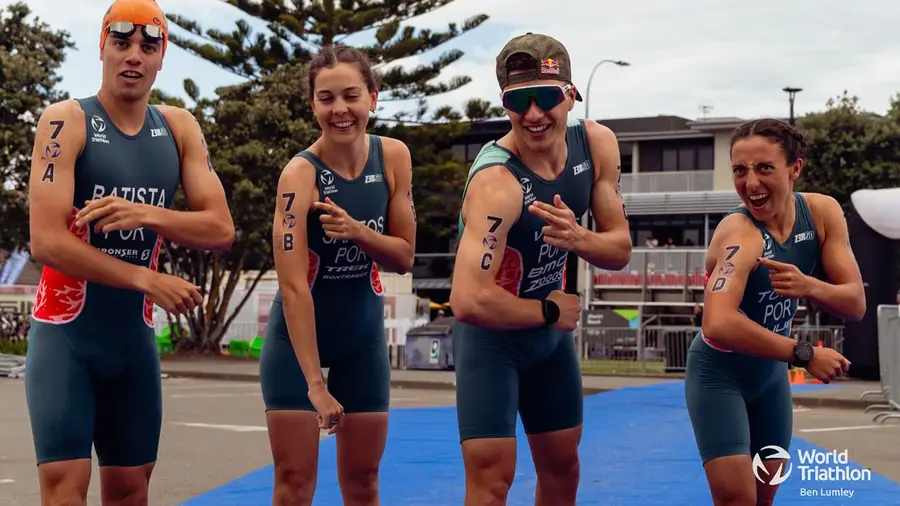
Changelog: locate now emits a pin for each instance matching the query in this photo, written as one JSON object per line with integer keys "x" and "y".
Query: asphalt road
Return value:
{"x": 214, "y": 432}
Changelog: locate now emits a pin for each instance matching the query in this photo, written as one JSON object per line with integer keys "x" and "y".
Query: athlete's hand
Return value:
{"x": 112, "y": 213}
{"x": 328, "y": 410}
{"x": 338, "y": 224}
{"x": 569, "y": 309}
{"x": 787, "y": 280}
{"x": 827, "y": 364}
{"x": 173, "y": 294}
{"x": 563, "y": 229}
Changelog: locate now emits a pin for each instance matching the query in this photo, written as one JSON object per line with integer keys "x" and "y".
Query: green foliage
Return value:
{"x": 438, "y": 175}
{"x": 13, "y": 347}
{"x": 30, "y": 57}
{"x": 850, "y": 149}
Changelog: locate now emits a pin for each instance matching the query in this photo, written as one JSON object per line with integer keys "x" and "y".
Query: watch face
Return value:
{"x": 805, "y": 351}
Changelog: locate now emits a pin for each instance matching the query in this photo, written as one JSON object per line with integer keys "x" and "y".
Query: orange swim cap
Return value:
{"x": 139, "y": 12}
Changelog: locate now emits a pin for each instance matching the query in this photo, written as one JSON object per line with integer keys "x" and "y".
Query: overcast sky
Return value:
{"x": 734, "y": 56}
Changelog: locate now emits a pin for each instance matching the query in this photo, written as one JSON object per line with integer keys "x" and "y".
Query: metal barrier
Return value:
{"x": 12, "y": 366}
{"x": 661, "y": 350}
{"x": 888, "y": 364}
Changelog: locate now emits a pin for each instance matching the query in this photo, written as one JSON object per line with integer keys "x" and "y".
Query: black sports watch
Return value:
{"x": 803, "y": 354}
{"x": 550, "y": 311}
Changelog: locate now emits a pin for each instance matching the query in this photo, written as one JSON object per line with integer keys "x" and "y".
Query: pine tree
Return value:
{"x": 298, "y": 29}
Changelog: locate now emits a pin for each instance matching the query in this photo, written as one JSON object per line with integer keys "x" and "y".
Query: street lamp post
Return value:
{"x": 792, "y": 93}
{"x": 587, "y": 111}
{"x": 587, "y": 95}
{"x": 588, "y": 271}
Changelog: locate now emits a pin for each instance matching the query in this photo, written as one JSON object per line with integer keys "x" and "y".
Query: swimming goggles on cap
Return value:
{"x": 125, "y": 29}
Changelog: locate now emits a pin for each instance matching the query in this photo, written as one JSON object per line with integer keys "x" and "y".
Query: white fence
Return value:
{"x": 888, "y": 364}
{"x": 663, "y": 349}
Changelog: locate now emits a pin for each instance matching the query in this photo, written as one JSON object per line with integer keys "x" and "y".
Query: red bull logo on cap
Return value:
{"x": 549, "y": 66}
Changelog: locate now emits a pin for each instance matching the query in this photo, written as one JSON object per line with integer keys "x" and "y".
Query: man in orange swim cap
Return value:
{"x": 128, "y": 24}
{"x": 104, "y": 173}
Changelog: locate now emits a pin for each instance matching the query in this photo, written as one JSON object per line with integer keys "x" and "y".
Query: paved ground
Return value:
{"x": 215, "y": 432}
{"x": 225, "y": 368}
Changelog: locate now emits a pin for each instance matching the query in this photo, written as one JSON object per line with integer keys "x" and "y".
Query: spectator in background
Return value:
{"x": 670, "y": 243}
{"x": 651, "y": 242}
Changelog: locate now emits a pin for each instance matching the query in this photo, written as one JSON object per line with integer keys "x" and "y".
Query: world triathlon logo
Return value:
{"x": 818, "y": 468}
{"x": 773, "y": 453}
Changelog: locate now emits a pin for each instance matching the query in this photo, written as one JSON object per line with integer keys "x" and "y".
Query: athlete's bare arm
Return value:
{"x": 208, "y": 225}
{"x": 292, "y": 204}
{"x": 610, "y": 246}
{"x": 395, "y": 249}
{"x": 493, "y": 203}
{"x": 736, "y": 245}
{"x": 59, "y": 140}
{"x": 844, "y": 296}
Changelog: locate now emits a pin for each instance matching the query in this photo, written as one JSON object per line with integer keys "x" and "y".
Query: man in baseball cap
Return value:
{"x": 549, "y": 54}
{"x": 513, "y": 342}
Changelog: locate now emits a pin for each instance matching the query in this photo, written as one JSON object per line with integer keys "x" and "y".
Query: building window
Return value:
{"x": 626, "y": 164}
{"x": 670, "y": 159}
{"x": 460, "y": 151}
{"x": 705, "y": 158}
{"x": 676, "y": 155}
{"x": 687, "y": 158}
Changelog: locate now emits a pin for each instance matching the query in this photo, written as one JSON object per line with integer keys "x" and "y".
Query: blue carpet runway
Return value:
{"x": 638, "y": 450}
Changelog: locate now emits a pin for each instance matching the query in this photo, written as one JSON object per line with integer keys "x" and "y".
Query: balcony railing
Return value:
{"x": 653, "y": 182}
{"x": 660, "y": 267}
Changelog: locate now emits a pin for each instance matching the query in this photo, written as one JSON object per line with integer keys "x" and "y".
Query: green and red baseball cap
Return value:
{"x": 551, "y": 55}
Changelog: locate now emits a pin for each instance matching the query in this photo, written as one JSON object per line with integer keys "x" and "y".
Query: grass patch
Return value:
{"x": 607, "y": 367}
{"x": 9, "y": 347}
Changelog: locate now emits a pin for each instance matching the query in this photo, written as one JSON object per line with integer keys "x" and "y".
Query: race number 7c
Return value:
{"x": 490, "y": 242}
{"x": 495, "y": 223}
